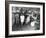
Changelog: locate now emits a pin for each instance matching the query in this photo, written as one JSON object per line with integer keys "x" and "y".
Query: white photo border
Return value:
{"x": 27, "y": 32}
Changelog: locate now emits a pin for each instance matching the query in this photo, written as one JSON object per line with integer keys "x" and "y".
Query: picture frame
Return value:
{"x": 16, "y": 10}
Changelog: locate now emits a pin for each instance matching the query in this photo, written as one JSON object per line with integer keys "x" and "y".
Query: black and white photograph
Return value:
{"x": 25, "y": 18}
